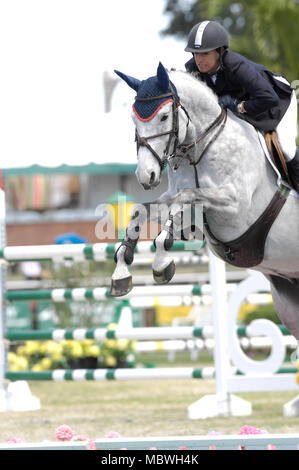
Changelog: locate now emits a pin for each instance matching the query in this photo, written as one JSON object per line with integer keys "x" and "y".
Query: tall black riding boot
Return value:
{"x": 293, "y": 168}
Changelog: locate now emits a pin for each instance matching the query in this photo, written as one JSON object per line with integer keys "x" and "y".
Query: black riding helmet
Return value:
{"x": 207, "y": 36}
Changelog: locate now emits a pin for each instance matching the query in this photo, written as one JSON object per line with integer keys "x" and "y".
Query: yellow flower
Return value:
{"x": 122, "y": 344}
{"x": 56, "y": 356}
{"x": 37, "y": 367}
{"x": 110, "y": 361}
{"x": 87, "y": 342}
{"x": 17, "y": 363}
{"x": 110, "y": 343}
{"x": 21, "y": 350}
{"x": 46, "y": 363}
{"x": 31, "y": 347}
{"x": 112, "y": 326}
{"x": 74, "y": 348}
{"x": 22, "y": 363}
{"x": 12, "y": 357}
{"x": 92, "y": 351}
{"x": 53, "y": 348}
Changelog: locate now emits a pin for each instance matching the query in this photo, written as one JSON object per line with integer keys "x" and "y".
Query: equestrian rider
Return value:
{"x": 259, "y": 96}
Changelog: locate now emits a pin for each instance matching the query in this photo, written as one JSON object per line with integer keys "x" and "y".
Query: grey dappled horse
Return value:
{"x": 214, "y": 159}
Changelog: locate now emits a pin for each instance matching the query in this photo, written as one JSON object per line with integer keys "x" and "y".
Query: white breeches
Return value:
{"x": 287, "y": 130}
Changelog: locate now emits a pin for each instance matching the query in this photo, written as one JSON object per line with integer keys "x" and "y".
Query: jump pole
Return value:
{"x": 223, "y": 403}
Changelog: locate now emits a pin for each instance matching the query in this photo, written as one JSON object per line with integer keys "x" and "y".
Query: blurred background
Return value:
{"x": 67, "y": 149}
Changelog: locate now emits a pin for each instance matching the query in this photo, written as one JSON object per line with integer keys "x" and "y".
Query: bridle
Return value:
{"x": 173, "y": 133}
{"x": 179, "y": 150}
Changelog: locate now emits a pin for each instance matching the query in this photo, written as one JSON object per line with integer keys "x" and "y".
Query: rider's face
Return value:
{"x": 207, "y": 62}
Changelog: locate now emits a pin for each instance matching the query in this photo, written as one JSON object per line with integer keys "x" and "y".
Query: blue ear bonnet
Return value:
{"x": 152, "y": 87}
{"x": 146, "y": 110}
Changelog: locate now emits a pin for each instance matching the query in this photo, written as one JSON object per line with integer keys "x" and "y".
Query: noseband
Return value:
{"x": 182, "y": 149}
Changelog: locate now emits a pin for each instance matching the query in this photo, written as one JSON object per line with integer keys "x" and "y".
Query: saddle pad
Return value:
{"x": 280, "y": 180}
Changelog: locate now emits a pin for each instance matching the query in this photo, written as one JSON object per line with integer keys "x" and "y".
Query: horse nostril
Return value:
{"x": 152, "y": 179}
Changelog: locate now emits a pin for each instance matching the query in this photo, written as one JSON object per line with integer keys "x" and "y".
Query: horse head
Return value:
{"x": 156, "y": 115}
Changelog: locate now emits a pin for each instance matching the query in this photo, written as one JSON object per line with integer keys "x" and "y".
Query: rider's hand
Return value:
{"x": 227, "y": 101}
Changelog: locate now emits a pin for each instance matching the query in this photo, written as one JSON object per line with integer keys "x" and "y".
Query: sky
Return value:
{"x": 53, "y": 54}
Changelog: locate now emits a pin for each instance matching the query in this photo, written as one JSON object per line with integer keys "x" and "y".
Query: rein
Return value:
{"x": 182, "y": 149}
{"x": 185, "y": 148}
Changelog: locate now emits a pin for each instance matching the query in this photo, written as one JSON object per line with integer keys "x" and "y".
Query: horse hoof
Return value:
{"x": 121, "y": 287}
{"x": 166, "y": 275}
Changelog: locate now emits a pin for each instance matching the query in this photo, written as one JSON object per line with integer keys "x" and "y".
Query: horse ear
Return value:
{"x": 163, "y": 78}
{"x": 132, "y": 82}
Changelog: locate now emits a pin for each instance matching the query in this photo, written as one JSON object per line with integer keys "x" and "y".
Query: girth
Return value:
{"x": 247, "y": 250}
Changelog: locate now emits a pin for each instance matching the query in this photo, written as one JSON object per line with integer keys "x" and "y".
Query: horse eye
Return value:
{"x": 163, "y": 118}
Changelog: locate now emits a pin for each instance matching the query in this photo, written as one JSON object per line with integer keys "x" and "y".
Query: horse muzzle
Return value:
{"x": 148, "y": 179}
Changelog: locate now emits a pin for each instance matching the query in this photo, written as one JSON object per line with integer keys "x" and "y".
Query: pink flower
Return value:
{"x": 251, "y": 430}
{"x": 113, "y": 434}
{"x": 92, "y": 446}
{"x": 183, "y": 448}
{"x": 64, "y": 433}
{"x": 16, "y": 440}
{"x": 153, "y": 448}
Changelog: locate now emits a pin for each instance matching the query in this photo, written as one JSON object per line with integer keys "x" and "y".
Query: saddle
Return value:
{"x": 277, "y": 155}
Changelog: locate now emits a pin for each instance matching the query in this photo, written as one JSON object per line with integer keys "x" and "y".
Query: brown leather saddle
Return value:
{"x": 247, "y": 250}
{"x": 277, "y": 155}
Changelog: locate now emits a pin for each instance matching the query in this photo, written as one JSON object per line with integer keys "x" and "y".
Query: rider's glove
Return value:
{"x": 227, "y": 101}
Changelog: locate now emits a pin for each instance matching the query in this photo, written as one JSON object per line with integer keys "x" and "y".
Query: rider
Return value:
{"x": 259, "y": 96}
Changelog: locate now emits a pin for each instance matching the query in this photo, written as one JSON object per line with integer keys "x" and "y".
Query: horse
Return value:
{"x": 218, "y": 160}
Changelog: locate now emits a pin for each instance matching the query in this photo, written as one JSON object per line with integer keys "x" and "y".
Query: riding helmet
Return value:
{"x": 207, "y": 36}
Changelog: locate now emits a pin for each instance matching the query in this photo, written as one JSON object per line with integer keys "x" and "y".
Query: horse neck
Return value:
{"x": 234, "y": 177}
{"x": 200, "y": 101}
{"x": 203, "y": 108}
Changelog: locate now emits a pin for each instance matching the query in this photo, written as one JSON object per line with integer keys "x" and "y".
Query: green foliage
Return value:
{"x": 262, "y": 311}
{"x": 263, "y": 30}
{"x": 71, "y": 274}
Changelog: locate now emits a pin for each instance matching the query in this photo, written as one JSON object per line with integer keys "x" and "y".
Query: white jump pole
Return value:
{"x": 222, "y": 403}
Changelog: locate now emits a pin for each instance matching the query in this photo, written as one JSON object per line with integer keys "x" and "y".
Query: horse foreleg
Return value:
{"x": 163, "y": 265}
{"x": 121, "y": 281}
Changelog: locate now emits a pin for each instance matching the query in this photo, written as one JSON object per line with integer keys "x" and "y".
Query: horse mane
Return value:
{"x": 194, "y": 90}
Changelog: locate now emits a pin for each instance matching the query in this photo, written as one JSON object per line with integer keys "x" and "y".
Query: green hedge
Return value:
{"x": 262, "y": 311}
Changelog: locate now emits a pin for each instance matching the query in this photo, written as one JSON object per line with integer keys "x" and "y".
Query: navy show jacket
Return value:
{"x": 266, "y": 98}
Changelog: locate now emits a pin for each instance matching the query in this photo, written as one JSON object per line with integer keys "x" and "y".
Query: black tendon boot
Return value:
{"x": 293, "y": 168}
